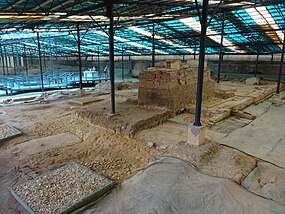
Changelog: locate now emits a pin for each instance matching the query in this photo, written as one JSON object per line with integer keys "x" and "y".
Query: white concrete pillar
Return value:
{"x": 12, "y": 62}
{"x": 22, "y": 61}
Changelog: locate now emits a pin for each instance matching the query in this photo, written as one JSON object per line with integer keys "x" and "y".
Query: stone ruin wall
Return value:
{"x": 172, "y": 88}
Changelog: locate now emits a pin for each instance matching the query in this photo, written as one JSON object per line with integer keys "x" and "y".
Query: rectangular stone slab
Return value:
{"x": 62, "y": 190}
{"x": 8, "y": 132}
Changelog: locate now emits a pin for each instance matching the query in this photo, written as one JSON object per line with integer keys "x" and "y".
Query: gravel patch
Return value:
{"x": 7, "y": 132}
{"x": 62, "y": 190}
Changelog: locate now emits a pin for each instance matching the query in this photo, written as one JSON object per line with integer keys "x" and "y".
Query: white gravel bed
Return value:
{"x": 62, "y": 190}
{"x": 7, "y": 132}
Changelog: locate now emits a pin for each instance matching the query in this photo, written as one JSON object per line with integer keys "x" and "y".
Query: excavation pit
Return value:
{"x": 62, "y": 190}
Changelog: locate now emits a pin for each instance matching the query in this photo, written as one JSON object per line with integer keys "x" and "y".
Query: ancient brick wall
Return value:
{"x": 172, "y": 89}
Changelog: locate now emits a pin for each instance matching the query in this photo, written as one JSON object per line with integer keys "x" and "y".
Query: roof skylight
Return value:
{"x": 99, "y": 43}
{"x": 148, "y": 34}
{"x": 264, "y": 19}
{"x": 195, "y": 25}
{"x": 129, "y": 42}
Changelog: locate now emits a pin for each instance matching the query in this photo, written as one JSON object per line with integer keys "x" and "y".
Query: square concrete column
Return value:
{"x": 277, "y": 100}
{"x": 196, "y": 135}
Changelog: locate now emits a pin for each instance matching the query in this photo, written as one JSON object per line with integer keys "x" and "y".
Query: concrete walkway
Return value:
{"x": 264, "y": 138}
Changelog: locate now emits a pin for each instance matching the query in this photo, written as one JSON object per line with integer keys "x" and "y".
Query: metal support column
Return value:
{"x": 153, "y": 46}
{"x": 221, "y": 47}
{"x": 98, "y": 65}
{"x": 79, "y": 56}
{"x": 56, "y": 60}
{"x": 2, "y": 58}
{"x": 26, "y": 61}
{"x": 272, "y": 55}
{"x": 195, "y": 49}
{"x": 98, "y": 61}
{"x": 256, "y": 65}
{"x": 40, "y": 61}
{"x": 32, "y": 60}
{"x": 50, "y": 58}
{"x": 111, "y": 55}
{"x": 280, "y": 67}
{"x": 45, "y": 65}
{"x": 197, "y": 121}
{"x": 14, "y": 61}
{"x": 123, "y": 63}
{"x": 6, "y": 60}
{"x": 18, "y": 61}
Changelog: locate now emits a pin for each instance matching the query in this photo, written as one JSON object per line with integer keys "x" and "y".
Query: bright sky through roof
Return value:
{"x": 99, "y": 43}
{"x": 129, "y": 42}
{"x": 28, "y": 35}
{"x": 262, "y": 17}
{"x": 148, "y": 34}
{"x": 195, "y": 25}
{"x": 63, "y": 47}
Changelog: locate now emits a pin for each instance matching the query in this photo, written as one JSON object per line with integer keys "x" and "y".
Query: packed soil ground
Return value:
{"x": 54, "y": 134}
{"x": 100, "y": 149}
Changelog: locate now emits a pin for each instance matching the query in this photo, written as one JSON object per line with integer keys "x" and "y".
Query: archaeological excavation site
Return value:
{"x": 151, "y": 106}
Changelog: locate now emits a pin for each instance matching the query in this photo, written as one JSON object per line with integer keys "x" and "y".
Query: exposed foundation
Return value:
{"x": 172, "y": 86}
{"x": 129, "y": 119}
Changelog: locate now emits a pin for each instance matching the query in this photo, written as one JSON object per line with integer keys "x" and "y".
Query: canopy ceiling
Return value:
{"x": 251, "y": 26}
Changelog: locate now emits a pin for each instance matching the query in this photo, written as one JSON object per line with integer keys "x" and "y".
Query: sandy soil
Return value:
{"x": 211, "y": 158}
{"x": 111, "y": 154}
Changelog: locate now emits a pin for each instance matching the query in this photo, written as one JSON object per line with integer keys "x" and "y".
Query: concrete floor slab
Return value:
{"x": 230, "y": 124}
{"x": 264, "y": 138}
{"x": 259, "y": 109}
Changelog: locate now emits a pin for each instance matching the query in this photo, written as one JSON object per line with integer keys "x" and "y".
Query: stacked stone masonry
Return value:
{"x": 170, "y": 88}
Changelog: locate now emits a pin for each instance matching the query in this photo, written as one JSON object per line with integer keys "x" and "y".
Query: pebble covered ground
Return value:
{"x": 61, "y": 189}
{"x": 7, "y": 132}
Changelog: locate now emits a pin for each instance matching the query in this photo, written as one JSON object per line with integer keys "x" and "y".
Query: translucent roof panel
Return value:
{"x": 278, "y": 13}
{"x": 251, "y": 26}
